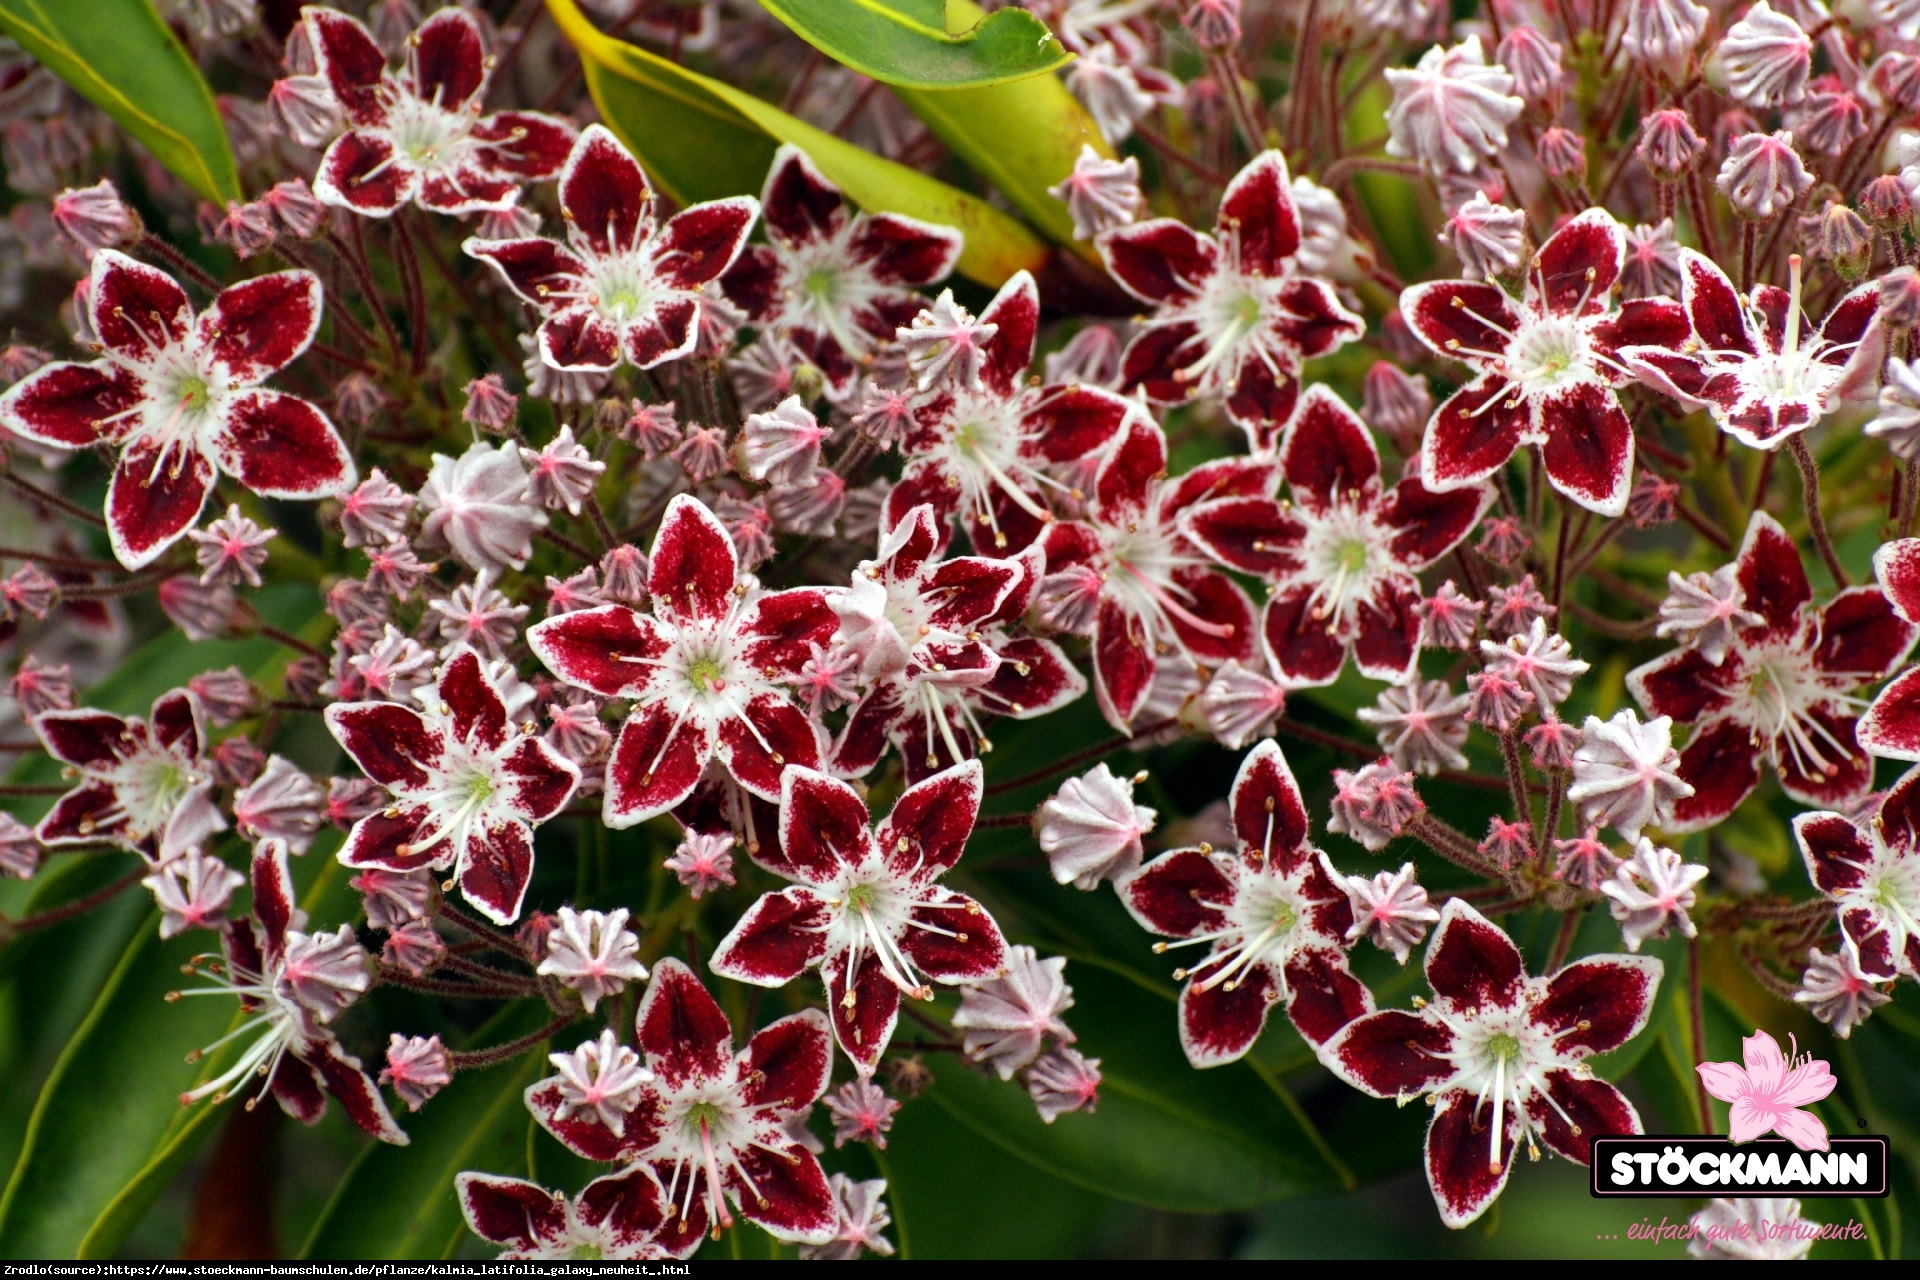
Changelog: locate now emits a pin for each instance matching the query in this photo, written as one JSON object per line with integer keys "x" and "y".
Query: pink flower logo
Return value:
{"x": 1768, "y": 1095}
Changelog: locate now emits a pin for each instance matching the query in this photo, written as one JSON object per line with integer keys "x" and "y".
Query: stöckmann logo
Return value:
{"x": 1691, "y": 1167}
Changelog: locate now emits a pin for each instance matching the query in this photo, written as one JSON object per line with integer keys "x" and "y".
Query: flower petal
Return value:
{"x": 89, "y": 813}
{"x": 1720, "y": 764}
{"x": 1861, "y": 635}
{"x": 1589, "y": 447}
{"x": 1891, "y": 725}
{"x": 1472, "y": 435}
{"x": 1838, "y": 855}
{"x": 1016, "y": 310}
{"x": 447, "y": 59}
{"x": 928, "y": 828}
{"x": 784, "y": 1192}
{"x": 1471, "y": 962}
{"x": 280, "y": 446}
{"x": 665, "y": 332}
{"x": 1391, "y": 1054}
{"x": 823, "y": 825}
{"x": 1575, "y": 270}
{"x": 1714, "y": 306}
{"x": 89, "y": 739}
{"x": 1388, "y": 644}
{"x": 137, "y": 310}
{"x": 392, "y": 744}
{"x": 582, "y": 1133}
{"x": 779, "y": 938}
{"x": 604, "y": 196}
{"x": 903, "y": 251}
{"x": 1312, "y": 322}
{"x": 1220, "y": 620}
{"x": 1253, "y": 535}
{"x": 1178, "y": 894}
{"x": 1599, "y": 1003}
{"x": 1269, "y": 815}
{"x": 351, "y": 61}
{"x": 1257, "y": 216}
{"x": 544, "y": 273}
{"x": 963, "y": 945}
{"x": 1772, "y": 575}
{"x": 604, "y": 650}
{"x": 656, "y": 763}
{"x": 800, "y": 205}
{"x": 537, "y": 780}
{"x": 681, "y": 1029}
{"x": 296, "y": 1087}
{"x": 579, "y": 340}
{"x": 376, "y": 841}
{"x": 1464, "y": 1169}
{"x": 629, "y": 1207}
{"x": 1123, "y": 667}
{"x": 767, "y": 737}
{"x": 700, "y": 242}
{"x": 863, "y": 1019}
{"x": 1160, "y": 260}
{"x": 1155, "y": 357}
{"x": 495, "y": 868}
{"x": 529, "y": 145}
{"x": 350, "y": 1085}
{"x": 1034, "y": 677}
{"x": 789, "y": 1061}
{"x": 510, "y": 1212}
{"x": 153, "y": 499}
{"x": 1219, "y": 1024}
{"x": 1298, "y": 645}
{"x": 274, "y": 902}
{"x": 259, "y": 326}
{"x": 1426, "y": 525}
{"x": 1328, "y": 452}
{"x": 475, "y": 706}
{"x": 1840, "y": 775}
{"x": 1594, "y": 1106}
{"x": 1127, "y": 475}
{"x": 693, "y": 567}
{"x": 1323, "y": 994}
{"x": 73, "y": 406}
{"x": 1460, "y": 319}
{"x": 1803, "y": 1129}
{"x": 783, "y": 626}
{"x": 363, "y": 172}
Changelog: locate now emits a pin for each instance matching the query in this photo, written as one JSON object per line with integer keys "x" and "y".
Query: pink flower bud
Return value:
{"x": 227, "y": 696}
{"x": 29, "y": 590}
{"x": 40, "y": 687}
{"x": 490, "y": 406}
{"x": 416, "y": 1067}
{"x": 1763, "y": 174}
{"x": 1669, "y": 145}
{"x": 95, "y": 217}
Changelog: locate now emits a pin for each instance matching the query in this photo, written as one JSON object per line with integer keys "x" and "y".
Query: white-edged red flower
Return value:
{"x": 624, "y": 287}
{"x": 290, "y": 985}
{"x": 1545, "y": 365}
{"x": 1501, "y": 1056}
{"x": 179, "y": 395}
{"x": 615, "y": 1216}
{"x": 704, "y": 672}
{"x": 1342, "y": 554}
{"x": 468, "y": 785}
{"x": 712, "y": 1123}
{"x": 1126, "y": 572}
{"x": 1759, "y": 365}
{"x": 135, "y": 776}
{"x": 983, "y": 449}
{"x": 421, "y": 135}
{"x": 933, "y": 654}
{"x": 832, "y": 281}
{"x": 1871, "y": 873}
{"x": 1274, "y": 924}
{"x": 1785, "y": 689}
{"x": 867, "y": 907}
{"x": 1235, "y": 316}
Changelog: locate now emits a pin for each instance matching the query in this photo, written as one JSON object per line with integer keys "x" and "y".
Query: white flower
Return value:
{"x": 593, "y": 953}
{"x": 946, "y": 342}
{"x": 1750, "y": 1230}
{"x": 1452, "y": 110}
{"x": 1626, "y": 774}
{"x": 782, "y": 445}
{"x": 1489, "y": 239}
{"x": 1241, "y": 704}
{"x": 603, "y": 1077}
{"x": 1100, "y": 194}
{"x": 1391, "y": 909}
{"x": 1090, "y": 828}
{"x": 192, "y": 891}
{"x": 1007, "y": 1019}
{"x": 478, "y": 505}
{"x": 1653, "y": 892}
{"x": 1420, "y": 724}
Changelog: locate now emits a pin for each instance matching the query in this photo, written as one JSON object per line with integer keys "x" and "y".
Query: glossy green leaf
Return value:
{"x": 924, "y": 44}
{"x": 121, "y": 56}
{"x": 1164, "y": 1134}
{"x": 399, "y": 1202}
{"x": 701, "y": 139}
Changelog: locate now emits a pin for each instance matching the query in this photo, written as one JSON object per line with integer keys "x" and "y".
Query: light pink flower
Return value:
{"x": 1771, "y": 1093}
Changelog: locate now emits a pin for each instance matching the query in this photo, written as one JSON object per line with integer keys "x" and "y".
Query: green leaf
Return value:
{"x": 112, "y": 1100}
{"x": 1164, "y": 1134}
{"x": 701, "y": 139}
{"x": 399, "y": 1202}
{"x": 911, "y": 43}
{"x": 121, "y": 56}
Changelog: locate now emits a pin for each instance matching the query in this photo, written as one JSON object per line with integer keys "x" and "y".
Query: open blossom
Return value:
{"x": 468, "y": 786}
{"x": 1006, "y": 1020}
{"x": 704, "y": 671}
{"x": 1652, "y": 892}
{"x": 1545, "y": 366}
{"x": 1391, "y": 909}
{"x": 1502, "y": 1054}
{"x": 1273, "y": 923}
{"x": 624, "y": 287}
{"x": 1343, "y": 554}
{"x": 867, "y": 907}
{"x": 710, "y": 1122}
{"x": 179, "y": 395}
{"x": 593, "y": 953}
{"x": 1784, "y": 690}
{"x": 1452, "y": 110}
{"x": 420, "y": 136}
{"x": 1235, "y": 313}
{"x": 1090, "y": 828}
{"x": 831, "y": 281}
{"x": 1871, "y": 873}
{"x": 1626, "y": 774}
{"x": 1771, "y": 1093}
{"x": 134, "y": 776}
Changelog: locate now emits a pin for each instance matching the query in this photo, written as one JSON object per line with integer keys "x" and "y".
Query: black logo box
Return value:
{"x": 1850, "y": 1167}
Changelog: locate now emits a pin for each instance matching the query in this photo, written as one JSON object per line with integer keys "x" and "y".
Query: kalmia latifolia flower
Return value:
{"x": 1391, "y": 910}
{"x": 1836, "y": 990}
{"x": 468, "y": 785}
{"x": 290, "y": 985}
{"x": 1626, "y": 773}
{"x": 1785, "y": 688}
{"x": 1545, "y": 365}
{"x": 1501, "y": 1055}
{"x": 861, "y": 1111}
{"x": 867, "y": 907}
{"x": 1235, "y": 315}
{"x": 1340, "y": 558}
{"x": 704, "y": 672}
{"x": 1100, "y": 194}
{"x": 1421, "y": 725}
{"x": 1759, "y": 366}
{"x": 624, "y": 287}
{"x": 618, "y": 1215}
{"x": 1275, "y": 926}
{"x": 860, "y": 1215}
{"x": 1653, "y": 893}
{"x": 134, "y": 776}
{"x": 1090, "y": 828}
{"x": 594, "y": 953}
{"x": 1871, "y": 873}
{"x": 1766, "y": 57}
{"x": 1451, "y": 111}
{"x": 420, "y": 136}
{"x": 832, "y": 281}
{"x": 179, "y": 395}
{"x": 710, "y": 1123}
